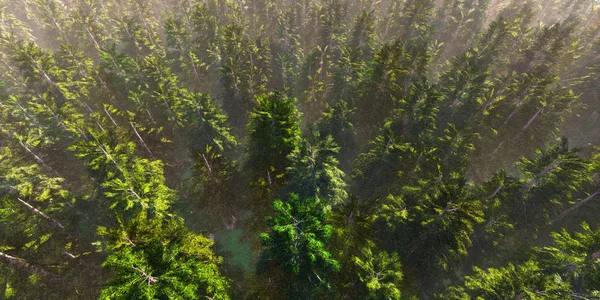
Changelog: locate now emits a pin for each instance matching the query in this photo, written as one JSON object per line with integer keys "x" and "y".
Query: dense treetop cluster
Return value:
{"x": 299, "y": 149}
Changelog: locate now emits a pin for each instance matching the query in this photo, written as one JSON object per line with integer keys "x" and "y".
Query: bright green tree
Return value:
{"x": 297, "y": 244}
{"x": 163, "y": 261}
{"x": 379, "y": 274}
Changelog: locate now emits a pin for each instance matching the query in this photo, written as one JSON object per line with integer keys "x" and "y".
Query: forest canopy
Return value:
{"x": 311, "y": 149}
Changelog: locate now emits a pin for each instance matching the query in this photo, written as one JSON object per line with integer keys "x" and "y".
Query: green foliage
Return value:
{"x": 287, "y": 53}
{"x": 379, "y": 273}
{"x": 404, "y": 149}
{"x": 569, "y": 269}
{"x": 244, "y": 71}
{"x": 297, "y": 244}
{"x": 159, "y": 270}
{"x": 314, "y": 171}
{"x": 39, "y": 230}
{"x": 541, "y": 197}
{"x": 274, "y": 133}
{"x": 208, "y": 125}
{"x": 127, "y": 128}
{"x": 337, "y": 122}
{"x": 431, "y": 225}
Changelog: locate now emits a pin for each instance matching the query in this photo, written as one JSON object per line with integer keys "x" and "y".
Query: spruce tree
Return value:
{"x": 297, "y": 243}
{"x": 274, "y": 133}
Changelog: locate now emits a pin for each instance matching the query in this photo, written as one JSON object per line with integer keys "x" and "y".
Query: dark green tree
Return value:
{"x": 274, "y": 133}
{"x": 567, "y": 270}
{"x": 430, "y": 225}
{"x": 404, "y": 150}
{"x": 314, "y": 171}
{"x": 338, "y": 122}
{"x": 244, "y": 72}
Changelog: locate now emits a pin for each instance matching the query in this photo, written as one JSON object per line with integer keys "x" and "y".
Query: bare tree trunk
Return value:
{"x": 576, "y": 206}
{"x": 208, "y": 168}
{"x": 110, "y": 117}
{"x": 22, "y": 264}
{"x": 39, "y": 213}
{"x": 38, "y": 159}
{"x": 141, "y": 140}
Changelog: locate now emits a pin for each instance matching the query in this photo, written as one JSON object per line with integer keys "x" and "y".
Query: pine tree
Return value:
{"x": 430, "y": 225}
{"x": 40, "y": 241}
{"x": 459, "y": 23}
{"x": 244, "y": 69}
{"x": 274, "y": 133}
{"x": 214, "y": 174}
{"x": 529, "y": 99}
{"x": 520, "y": 209}
{"x": 287, "y": 53}
{"x": 143, "y": 232}
{"x": 338, "y": 122}
{"x": 163, "y": 261}
{"x": 297, "y": 243}
{"x": 569, "y": 269}
{"x": 314, "y": 171}
{"x": 464, "y": 86}
{"x": 379, "y": 274}
{"x": 352, "y": 234}
{"x": 377, "y": 93}
{"x": 403, "y": 148}
{"x": 354, "y": 57}
{"x": 182, "y": 56}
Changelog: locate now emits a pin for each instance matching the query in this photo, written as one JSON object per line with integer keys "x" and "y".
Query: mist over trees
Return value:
{"x": 312, "y": 149}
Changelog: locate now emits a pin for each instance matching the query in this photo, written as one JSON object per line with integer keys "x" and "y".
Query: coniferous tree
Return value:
{"x": 214, "y": 175}
{"x": 297, "y": 244}
{"x": 142, "y": 140}
{"x": 244, "y": 68}
{"x": 519, "y": 210}
{"x": 145, "y": 241}
{"x": 274, "y": 134}
{"x": 379, "y": 274}
{"x": 353, "y": 58}
{"x": 314, "y": 171}
{"x": 403, "y": 149}
{"x": 338, "y": 122}
{"x": 568, "y": 269}
{"x": 287, "y": 53}
{"x": 40, "y": 242}
{"x": 163, "y": 260}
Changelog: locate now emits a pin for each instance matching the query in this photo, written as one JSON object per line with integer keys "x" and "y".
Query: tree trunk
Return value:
{"x": 39, "y": 213}
{"x": 22, "y": 264}
{"x": 141, "y": 140}
{"x": 576, "y": 206}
